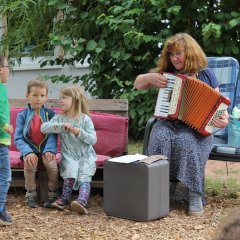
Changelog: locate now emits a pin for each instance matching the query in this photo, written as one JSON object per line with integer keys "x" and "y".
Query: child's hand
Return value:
{"x": 48, "y": 156}
{"x": 31, "y": 160}
{"x": 75, "y": 131}
{"x": 9, "y": 130}
{"x": 67, "y": 126}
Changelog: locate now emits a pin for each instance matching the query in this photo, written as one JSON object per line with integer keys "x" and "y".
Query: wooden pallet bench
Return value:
{"x": 111, "y": 124}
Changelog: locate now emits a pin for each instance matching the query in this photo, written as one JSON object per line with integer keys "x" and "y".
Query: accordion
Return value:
{"x": 190, "y": 101}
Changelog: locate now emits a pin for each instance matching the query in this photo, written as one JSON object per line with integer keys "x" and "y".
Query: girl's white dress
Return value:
{"x": 77, "y": 154}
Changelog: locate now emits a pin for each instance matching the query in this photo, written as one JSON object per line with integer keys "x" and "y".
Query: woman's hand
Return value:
{"x": 222, "y": 121}
{"x": 144, "y": 81}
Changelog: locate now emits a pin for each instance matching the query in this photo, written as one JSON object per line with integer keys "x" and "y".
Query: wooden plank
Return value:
{"x": 114, "y": 106}
{"x": 42, "y": 186}
{"x": 17, "y": 182}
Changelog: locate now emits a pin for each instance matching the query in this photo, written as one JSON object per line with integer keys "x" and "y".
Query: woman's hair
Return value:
{"x": 195, "y": 57}
{"x": 229, "y": 229}
{"x": 2, "y": 60}
{"x": 37, "y": 83}
{"x": 79, "y": 99}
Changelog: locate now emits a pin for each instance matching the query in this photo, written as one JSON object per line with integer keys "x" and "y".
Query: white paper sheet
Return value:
{"x": 128, "y": 158}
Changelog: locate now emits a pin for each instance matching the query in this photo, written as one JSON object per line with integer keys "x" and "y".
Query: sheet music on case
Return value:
{"x": 128, "y": 158}
{"x": 138, "y": 158}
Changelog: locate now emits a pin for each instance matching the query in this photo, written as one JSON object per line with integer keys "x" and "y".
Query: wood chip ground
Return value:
{"x": 51, "y": 224}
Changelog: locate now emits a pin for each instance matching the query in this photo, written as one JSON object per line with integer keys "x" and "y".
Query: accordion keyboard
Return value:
{"x": 167, "y": 97}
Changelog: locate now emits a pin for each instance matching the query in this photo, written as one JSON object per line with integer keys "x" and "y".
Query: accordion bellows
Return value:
{"x": 191, "y": 101}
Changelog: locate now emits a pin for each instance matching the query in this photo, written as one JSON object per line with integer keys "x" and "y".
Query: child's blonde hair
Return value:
{"x": 79, "y": 99}
{"x": 37, "y": 83}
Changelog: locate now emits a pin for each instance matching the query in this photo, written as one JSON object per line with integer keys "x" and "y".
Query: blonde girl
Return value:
{"x": 77, "y": 135}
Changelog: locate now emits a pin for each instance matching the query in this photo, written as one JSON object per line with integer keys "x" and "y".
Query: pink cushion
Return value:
{"x": 101, "y": 159}
{"x": 13, "y": 117}
{"x": 112, "y": 133}
{"x": 99, "y": 162}
{"x": 15, "y": 160}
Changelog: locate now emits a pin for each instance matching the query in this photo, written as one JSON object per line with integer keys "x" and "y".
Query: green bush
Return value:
{"x": 119, "y": 39}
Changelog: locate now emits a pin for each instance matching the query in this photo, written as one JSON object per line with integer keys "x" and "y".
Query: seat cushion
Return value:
{"x": 112, "y": 134}
{"x": 226, "y": 149}
{"x": 226, "y": 70}
{"x": 111, "y": 130}
{"x": 16, "y": 162}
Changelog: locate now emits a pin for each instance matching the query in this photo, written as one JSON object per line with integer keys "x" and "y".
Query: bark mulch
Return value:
{"x": 49, "y": 224}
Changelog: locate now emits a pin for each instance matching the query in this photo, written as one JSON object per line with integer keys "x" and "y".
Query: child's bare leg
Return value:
{"x": 30, "y": 185}
{"x": 53, "y": 181}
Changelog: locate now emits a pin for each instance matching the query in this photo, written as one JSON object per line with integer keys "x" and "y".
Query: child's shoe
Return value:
{"x": 31, "y": 199}
{"x": 5, "y": 219}
{"x": 78, "y": 207}
{"x": 60, "y": 203}
{"x": 52, "y": 196}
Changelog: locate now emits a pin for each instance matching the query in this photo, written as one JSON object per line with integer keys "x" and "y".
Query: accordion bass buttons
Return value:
{"x": 219, "y": 111}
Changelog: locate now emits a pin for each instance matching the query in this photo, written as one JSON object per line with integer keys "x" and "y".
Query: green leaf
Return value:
{"x": 126, "y": 56}
{"x": 234, "y": 22}
{"x": 98, "y": 50}
{"x": 81, "y": 40}
{"x": 235, "y": 50}
{"x": 148, "y": 38}
{"x": 62, "y": 6}
{"x": 91, "y": 45}
{"x": 219, "y": 49}
{"x": 117, "y": 9}
{"x": 235, "y": 14}
{"x": 52, "y": 2}
{"x": 115, "y": 54}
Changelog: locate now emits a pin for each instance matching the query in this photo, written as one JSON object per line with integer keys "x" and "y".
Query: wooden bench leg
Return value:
{"x": 42, "y": 186}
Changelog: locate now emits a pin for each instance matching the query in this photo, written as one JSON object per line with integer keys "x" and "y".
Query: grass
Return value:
{"x": 227, "y": 188}
{"x": 222, "y": 171}
{"x": 135, "y": 146}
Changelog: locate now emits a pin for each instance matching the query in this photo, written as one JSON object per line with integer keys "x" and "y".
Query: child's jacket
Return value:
{"x": 21, "y": 136}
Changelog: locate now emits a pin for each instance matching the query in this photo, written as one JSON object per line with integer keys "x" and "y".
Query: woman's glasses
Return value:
{"x": 176, "y": 54}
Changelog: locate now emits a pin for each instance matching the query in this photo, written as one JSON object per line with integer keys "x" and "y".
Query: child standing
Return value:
{"x": 35, "y": 147}
{"x": 77, "y": 135}
{"x": 5, "y": 140}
